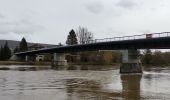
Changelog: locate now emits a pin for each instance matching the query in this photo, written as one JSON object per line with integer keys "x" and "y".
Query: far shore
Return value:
{"x": 75, "y": 63}
{"x": 23, "y": 63}
{"x": 49, "y": 63}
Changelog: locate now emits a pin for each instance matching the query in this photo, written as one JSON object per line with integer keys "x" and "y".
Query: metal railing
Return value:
{"x": 134, "y": 37}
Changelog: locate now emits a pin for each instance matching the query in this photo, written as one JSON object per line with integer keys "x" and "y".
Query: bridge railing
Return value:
{"x": 134, "y": 37}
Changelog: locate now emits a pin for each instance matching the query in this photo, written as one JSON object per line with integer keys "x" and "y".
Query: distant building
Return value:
{"x": 43, "y": 57}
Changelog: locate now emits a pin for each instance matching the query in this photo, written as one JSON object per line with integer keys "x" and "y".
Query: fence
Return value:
{"x": 134, "y": 37}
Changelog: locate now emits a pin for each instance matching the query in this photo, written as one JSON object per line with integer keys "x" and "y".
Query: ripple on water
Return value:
{"x": 91, "y": 84}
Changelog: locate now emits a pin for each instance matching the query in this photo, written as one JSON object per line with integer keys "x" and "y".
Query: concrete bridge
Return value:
{"x": 130, "y": 61}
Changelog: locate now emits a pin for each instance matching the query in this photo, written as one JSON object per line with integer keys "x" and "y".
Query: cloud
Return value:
{"x": 95, "y": 7}
{"x": 146, "y": 31}
{"x": 126, "y": 4}
{"x": 19, "y": 27}
{"x": 2, "y": 16}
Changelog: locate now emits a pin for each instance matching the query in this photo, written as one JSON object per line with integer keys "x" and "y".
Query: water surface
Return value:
{"x": 82, "y": 83}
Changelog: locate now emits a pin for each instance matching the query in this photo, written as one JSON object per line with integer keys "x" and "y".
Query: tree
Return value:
{"x": 117, "y": 57}
{"x": 23, "y": 45}
{"x": 60, "y": 44}
{"x": 84, "y": 36}
{"x": 147, "y": 57}
{"x": 158, "y": 58}
{"x": 71, "y": 38}
{"x": 1, "y": 53}
{"x": 166, "y": 57}
{"x": 7, "y": 52}
{"x": 16, "y": 50}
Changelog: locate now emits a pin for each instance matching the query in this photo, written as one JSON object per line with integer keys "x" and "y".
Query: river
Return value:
{"x": 82, "y": 83}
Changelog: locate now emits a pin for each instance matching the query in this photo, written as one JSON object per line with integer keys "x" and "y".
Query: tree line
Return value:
{"x": 155, "y": 58}
{"x": 6, "y": 52}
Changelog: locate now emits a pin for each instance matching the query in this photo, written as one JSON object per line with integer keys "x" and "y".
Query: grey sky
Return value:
{"x": 49, "y": 21}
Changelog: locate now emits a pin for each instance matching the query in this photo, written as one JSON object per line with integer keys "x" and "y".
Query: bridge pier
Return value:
{"x": 29, "y": 58}
{"x": 130, "y": 62}
{"x": 16, "y": 58}
{"x": 59, "y": 60}
{"x": 26, "y": 58}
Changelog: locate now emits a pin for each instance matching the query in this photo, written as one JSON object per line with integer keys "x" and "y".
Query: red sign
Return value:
{"x": 148, "y": 36}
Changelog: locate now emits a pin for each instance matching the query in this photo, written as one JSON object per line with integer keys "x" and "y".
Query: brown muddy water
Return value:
{"x": 82, "y": 83}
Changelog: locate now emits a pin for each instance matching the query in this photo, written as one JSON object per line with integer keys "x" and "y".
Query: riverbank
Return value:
{"x": 71, "y": 64}
{"x": 90, "y": 63}
{"x": 23, "y": 63}
{"x": 49, "y": 63}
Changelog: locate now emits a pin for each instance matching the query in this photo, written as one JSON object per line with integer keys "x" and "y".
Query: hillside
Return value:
{"x": 12, "y": 44}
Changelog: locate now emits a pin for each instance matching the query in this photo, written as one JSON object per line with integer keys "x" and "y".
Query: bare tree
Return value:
{"x": 84, "y": 36}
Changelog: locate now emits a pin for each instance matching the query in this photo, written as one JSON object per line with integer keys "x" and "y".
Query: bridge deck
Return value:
{"x": 154, "y": 41}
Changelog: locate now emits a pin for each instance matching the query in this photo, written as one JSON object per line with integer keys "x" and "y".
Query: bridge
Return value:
{"x": 130, "y": 61}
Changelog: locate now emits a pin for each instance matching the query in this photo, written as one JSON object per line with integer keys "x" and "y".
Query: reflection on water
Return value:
{"x": 88, "y": 90}
{"x": 82, "y": 89}
{"x": 131, "y": 86}
{"x": 82, "y": 83}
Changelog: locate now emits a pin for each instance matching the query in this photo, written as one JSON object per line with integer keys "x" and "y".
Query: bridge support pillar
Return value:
{"x": 130, "y": 62}
{"x": 16, "y": 58}
{"x": 29, "y": 58}
{"x": 59, "y": 60}
{"x": 26, "y": 58}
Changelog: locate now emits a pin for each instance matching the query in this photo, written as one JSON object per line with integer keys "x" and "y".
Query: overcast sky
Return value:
{"x": 49, "y": 21}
